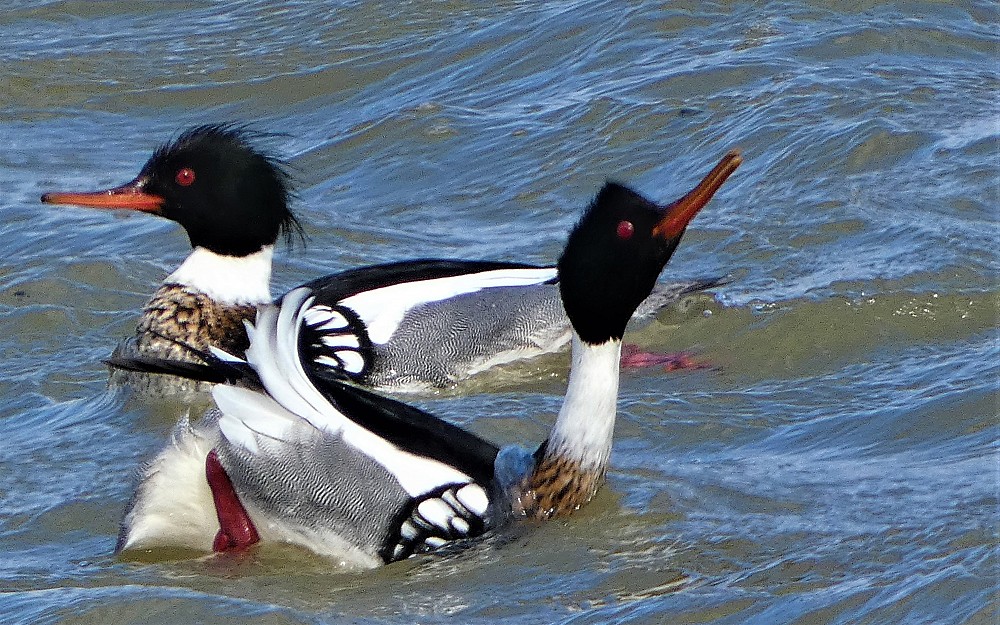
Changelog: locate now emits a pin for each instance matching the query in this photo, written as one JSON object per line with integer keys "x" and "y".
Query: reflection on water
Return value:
{"x": 837, "y": 463}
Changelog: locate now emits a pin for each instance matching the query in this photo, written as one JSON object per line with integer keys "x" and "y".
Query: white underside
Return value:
{"x": 383, "y": 309}
{"x": 323, "y": 543}
{"x": 231, "y": 280}
{"x": 174, "y": 509}
{"x": 173, "y": 505}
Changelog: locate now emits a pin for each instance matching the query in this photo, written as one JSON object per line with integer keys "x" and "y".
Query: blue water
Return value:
{"x": 839, "y": 463}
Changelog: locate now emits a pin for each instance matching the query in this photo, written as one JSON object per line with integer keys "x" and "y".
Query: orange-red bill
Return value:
{"x": 128, "y": 196}
{"x": 680, "y": 213}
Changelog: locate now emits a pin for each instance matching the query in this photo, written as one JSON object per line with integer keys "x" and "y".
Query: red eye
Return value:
{"x": 184, "y": 177}
{"x": 625, "y": 230}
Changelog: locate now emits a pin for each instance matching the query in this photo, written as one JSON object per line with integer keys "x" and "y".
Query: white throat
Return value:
{"x": 586, "y": 422}
{"x": 232, "y": 280}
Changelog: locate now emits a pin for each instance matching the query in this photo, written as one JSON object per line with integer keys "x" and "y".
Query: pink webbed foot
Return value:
{"x": 634, "y": 358}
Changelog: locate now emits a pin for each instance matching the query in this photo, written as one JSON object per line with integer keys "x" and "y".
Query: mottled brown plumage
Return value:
{"x": 558, "y": 485}
{"x": 191, "y": 318}
{"x": 176, "y": 317}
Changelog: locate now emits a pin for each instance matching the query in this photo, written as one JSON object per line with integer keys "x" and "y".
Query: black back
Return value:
{"x": 413, "y": 430}
{"x": 335, "y": 287}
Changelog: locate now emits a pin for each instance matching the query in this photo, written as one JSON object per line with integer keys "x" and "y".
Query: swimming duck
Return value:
{"x": 404, "y": 326}
{"x": 294, "y": 456}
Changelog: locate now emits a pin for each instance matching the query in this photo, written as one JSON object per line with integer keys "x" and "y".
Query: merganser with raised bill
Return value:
{"x": 295, "y": 457}
{"x": 405, "y": 326}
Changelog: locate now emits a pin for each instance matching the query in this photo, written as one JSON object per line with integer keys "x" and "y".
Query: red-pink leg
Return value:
{"x": 236, "y": 531}
{"x": 634, "y": 358}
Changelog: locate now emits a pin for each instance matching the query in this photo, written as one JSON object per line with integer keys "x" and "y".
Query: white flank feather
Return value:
{"x": 225, "y": 356}
{"x": 246, "y": 413}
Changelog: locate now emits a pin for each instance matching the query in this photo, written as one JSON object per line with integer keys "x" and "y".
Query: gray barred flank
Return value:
{"x": 461, "y": 334}
{"x": 321, "y": 482}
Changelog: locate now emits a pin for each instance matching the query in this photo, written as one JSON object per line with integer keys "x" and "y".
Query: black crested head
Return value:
{"x": 228, "y": 195}
{"x": 619, "y": 247}
{"x": 608, "y": 267}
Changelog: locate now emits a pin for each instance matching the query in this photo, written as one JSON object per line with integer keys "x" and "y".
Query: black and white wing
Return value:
{"x": 346, "y": 318}
{"x": 342, "y": 471}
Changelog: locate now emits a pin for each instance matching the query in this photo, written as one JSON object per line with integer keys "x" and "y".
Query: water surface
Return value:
{"x": 837, "y": 465}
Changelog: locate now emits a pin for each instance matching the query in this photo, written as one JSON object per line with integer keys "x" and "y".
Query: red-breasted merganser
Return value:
{"x": 412, "y": 325}
{"x": 291, "y": 456}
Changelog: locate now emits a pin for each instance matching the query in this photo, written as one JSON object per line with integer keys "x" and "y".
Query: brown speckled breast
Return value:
{"x": 192, "y": 319}
{"x": 176, "y": 316}
{"x": 556, "y": 487}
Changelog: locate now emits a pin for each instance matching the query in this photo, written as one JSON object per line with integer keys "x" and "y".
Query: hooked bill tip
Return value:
{"x": 681, "y": 212}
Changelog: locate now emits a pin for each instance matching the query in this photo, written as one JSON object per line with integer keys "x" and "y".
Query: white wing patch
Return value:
{"x": 338, "y": 338}
{"x": 473, "y": 497}
{"x": 436, "y": 512}
{"x": 383, "y": 309}
{"x": 439, "y": 518}
{"x": 246, "y": 413}
{"x": 324, "y": 318}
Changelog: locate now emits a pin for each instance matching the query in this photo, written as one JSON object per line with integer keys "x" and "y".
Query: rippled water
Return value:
{"x": 838, "y": 464}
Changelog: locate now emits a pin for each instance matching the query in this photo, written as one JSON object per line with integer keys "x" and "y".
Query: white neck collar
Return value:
{"x": 231, "y": 280}
{"x": 586, "y": 422}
